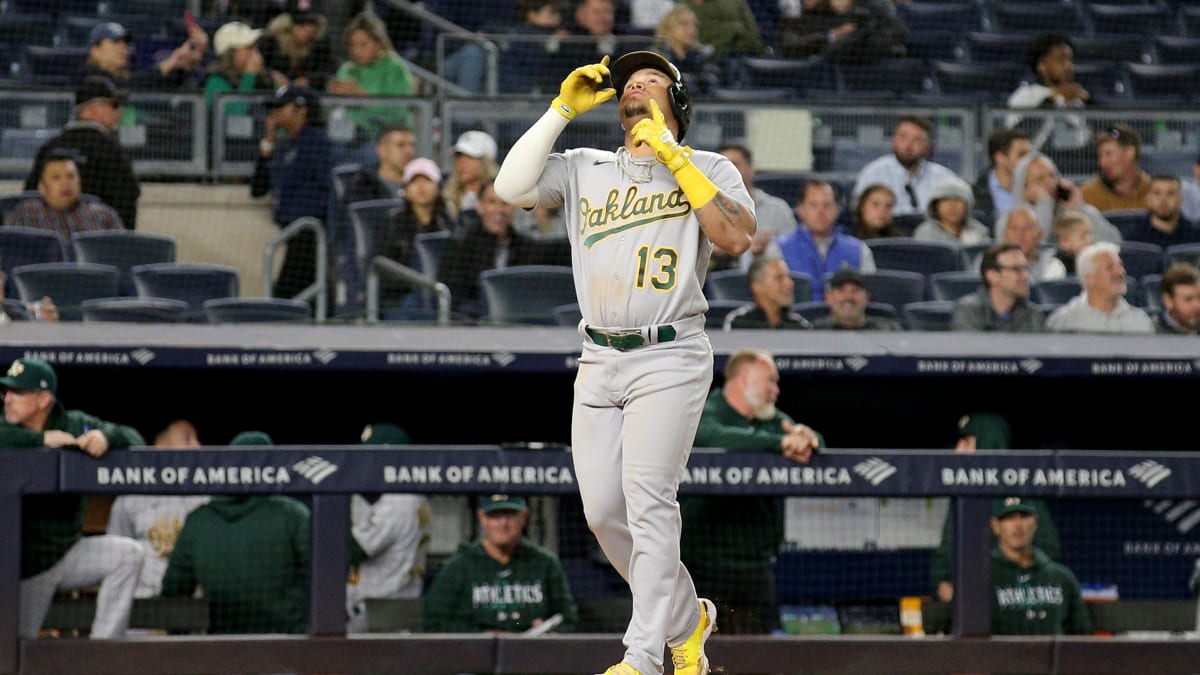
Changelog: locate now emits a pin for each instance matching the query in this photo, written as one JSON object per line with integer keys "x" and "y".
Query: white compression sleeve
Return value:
{"x": 517, "y": 181}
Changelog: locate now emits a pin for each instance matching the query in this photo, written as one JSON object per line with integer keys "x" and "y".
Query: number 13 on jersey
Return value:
{"x": 664, "y": 259}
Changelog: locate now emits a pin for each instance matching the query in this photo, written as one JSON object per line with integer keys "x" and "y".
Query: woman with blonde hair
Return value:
{"x": 239, "y": 67}
{"x": 294, "y": 44}
{"x": 474, "y": 165}
{"x": 678, "y": 36}
{"x": 373, "y": 69}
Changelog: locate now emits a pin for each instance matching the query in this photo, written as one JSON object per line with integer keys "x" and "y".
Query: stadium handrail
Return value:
{"x": 384, "y": 266}
{"x": 317, "y": 289}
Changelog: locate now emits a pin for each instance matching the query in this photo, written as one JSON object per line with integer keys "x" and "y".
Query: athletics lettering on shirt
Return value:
{"x": 1029, "y": 596}
{"x": 492, "y": 594}
{"x": 635, "y": 210}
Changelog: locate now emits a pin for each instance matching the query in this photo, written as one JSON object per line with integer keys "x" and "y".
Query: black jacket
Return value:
{"x": 104, "y": 168}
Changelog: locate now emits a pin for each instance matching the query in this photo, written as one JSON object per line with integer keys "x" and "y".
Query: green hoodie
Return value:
{"x": 250, "y": 555}
{"x": 51, "y": 524}
{"x": 1043, "y": 599}
{"x": 1045, "y": 539}
{"x": 474, "y": 592}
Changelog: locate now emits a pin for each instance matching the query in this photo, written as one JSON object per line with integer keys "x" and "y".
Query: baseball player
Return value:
{"x": 642, "y": 222}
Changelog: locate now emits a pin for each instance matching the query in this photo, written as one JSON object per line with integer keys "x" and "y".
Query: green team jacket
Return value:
{"x": 736, "y": 533}
{"x": 1045, "y": 539}
{"x": 474, "y": 592}
{"x": 51, "y": 524}
{"x": 250, "y": 555}
{"x": 1040, "y": 600}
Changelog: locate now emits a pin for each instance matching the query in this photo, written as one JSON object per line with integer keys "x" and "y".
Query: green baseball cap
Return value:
{"x": 1008, "y": 505}
{"x": 252, "y": 438}
{"x": 382, "y": 433}
{"x": 501, "y": 502}
{"x": 991, "y": 431}
{"x": 30, "y": 374}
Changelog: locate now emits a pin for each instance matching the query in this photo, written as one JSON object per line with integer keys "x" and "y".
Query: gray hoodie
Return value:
{"x": 1049, "y": 208}
{"x": 974, "y": 232}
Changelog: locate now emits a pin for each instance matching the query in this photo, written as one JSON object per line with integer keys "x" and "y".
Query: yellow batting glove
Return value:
{"x": 579, "y": 94}
{"x": 654, "y": 132}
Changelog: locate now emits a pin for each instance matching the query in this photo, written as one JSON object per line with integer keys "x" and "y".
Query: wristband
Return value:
{"x": 698, "y": 188}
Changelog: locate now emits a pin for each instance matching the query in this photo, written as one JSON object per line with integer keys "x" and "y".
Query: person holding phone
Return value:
{"x": 1037, "y": 183}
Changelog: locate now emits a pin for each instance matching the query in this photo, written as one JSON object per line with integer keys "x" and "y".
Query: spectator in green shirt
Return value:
{"x": 374, "y": 69}
{"x": 239, "y": 67}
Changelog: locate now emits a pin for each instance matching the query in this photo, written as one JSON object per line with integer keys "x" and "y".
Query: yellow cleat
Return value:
{"x": 622, "y": 668}
{"x": 689, "y": 658}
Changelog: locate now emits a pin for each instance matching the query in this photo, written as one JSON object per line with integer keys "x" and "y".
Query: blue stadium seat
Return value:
{"x": 123, "y": 249}
{"x": 26, "y": 246}
{"x": 568, "y": 314}
{"x": 1188, "y": 253}
{"x": 814, "y": 311}
{"x": 1151, "y": 296}
{"x": 1125, "y": 219}
{"x": 787, "y": 185}
{"x": 718, "y": 312}
{"x": 1007, "y": 48}
{"x": 1190, "y": 18}
{"x": 1057, "y": 292}
{"x": 753, "y": 95}
{"x": 27, "y": 29}
{"x": 895, "y": 288}
{"x": 342, "y": 174}
{"x": 807, "y": 76}
{"x": 257, "y": 310}
{"x": 1109, "y": 47}
{"x": 923, "y": 17}
{"x": 526, "y": 294}
{"x": 992, "y": 80}
{"x": 911, "y": 255}
{"x": 370, "y": 220}
{"x": 192, "y": 283}
{"x": 896, "y": 77}
{"x": 1103, "y": 79}
{"x": 1145, "y": 19}
{"x": 1141, "y": 259}
{"x": 934, "y": 45}
{"x": 9, "y": 202}
{"x": 68, "y": 284}
{"x": 954, "y": 285}
{"x": 24, "y": 143}
{"x": 1037, "y": 17}
{"x": 934, "y": 315}
{"x": 1171, "y": 49}
{"x": 907, "y": 223}
{"x": 53, "y": 65}
{"x": 735, "y": 285}
{"x": 1173, "y": 82}
{"x": 134, "y": 310}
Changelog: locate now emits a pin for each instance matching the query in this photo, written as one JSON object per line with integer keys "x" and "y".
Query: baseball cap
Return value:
{"x": 1007, "y": 505}
{"x": 422, "y": 166}
{"x": 98, "y": 86}
{"x": 232, "y": 35}
{"x": 991, "y": 431}
{"x": 294, "y": 93}
{"x": 252, "y": 438}
{"x": 109, "y": 30}
{"x": 302, "y": 11}
{"x": 477, "y": 144}
{"x": 502, "y": 502}
{"x": 630, "y": 63}
{"x": 382, "y": 433}
{"x": 846, "y": 275}
{"x": 30, "y": 374}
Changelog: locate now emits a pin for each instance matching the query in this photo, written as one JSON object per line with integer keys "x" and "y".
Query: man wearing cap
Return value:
{"x": 1031, "y": 594}
{"x": 474, "y": 165}
{"x": 109, "y": 51}
{"x": 1002, "y": 303}
{"x": 641, "y": 222}
{"x": 389, "y": 540}
{"x": 249, "y": 552}
{"x": 297, "y": 175}
{"x": 772, "y": 287}
{"x": 59, "y": 207}
{"x": 105, "y": 169}
{"x": 501, "y": 583}
{"x": 54, "y": 554}
{"x": 848, "y": 297}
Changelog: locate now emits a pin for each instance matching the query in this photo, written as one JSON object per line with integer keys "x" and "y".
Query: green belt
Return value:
{"x": 631, "y": 340}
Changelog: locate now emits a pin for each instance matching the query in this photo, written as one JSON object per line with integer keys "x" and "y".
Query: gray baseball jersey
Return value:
{"x": 638, "y": 252}
{"x": 154, "y": 521}
{"x": 394, "y": 532}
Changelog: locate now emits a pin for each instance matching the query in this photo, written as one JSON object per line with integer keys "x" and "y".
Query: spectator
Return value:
{"x": 873, "y": 214}
{"x": 986, "y": 431}
{"x": 949, "y": 215}
{"x": 1021, "y": 228}
{"x": 109, "y": 52}
{"x": 424, "y": 210}
{"x": 1164, "y": 224}
{"x": 594, "y": 20}
{"x": 374, "y": 69}
{"x": 154, "y": 521}
{"x": 104, "y": 169}
{"x": 817, "y": 248}
{"x": 775, "y": 217}
{"x": 527, "y": 63}
{"x": 845, "y": 31}
{"x": 772, "y": 287}
{"x": 1121, "y": 184}
{"x": 249, "y": 553}
{"x": 390, "y": 536}
{"x": 678, "y": 36}
{"x": 1051, "y": 58}
{"x": 493, "y": 245}
{"x": 1180, "y": 292}
{"x": 295, "y": 44}
{"x": 502, "y": 583}
{"x": 1031, "y": 594}
{"x": 908, "y": 172}
{"x": 729, "y": 26}
{"x": 41, "y": 310}
{"x": 729, "y": 543}
{"x": 54, "y": 554}
{"x": 394, "y": 148}
{"x": 1002, "y": 304}
{"x": 1190, "y": 187}
{"x": 994, "y": 188}
{"x": 59, "y": 206}
{"x": 1072, "y": 234}
{"x": 848, "y": 297}
{"x": 1101, "y": 307}
{"x": 297, "y": 177}
{"x": 239, "y": 67}
{"x": 644, "y": 15}
{"x": 1042, "y": 187}
{"x": 474, "y": 165}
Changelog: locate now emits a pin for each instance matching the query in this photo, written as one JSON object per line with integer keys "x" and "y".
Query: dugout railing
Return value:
{"x": 973, "y": 478}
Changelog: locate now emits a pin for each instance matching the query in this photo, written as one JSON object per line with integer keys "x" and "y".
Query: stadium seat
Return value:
{"x": 1057, "y": 292}
{"x": 934, "y": 315}
{"x": 568, "y": 314}
{"x": 1006, "y": 48}
{"x": 1146, "y": 19}
{"x": 257, "y": 310}
{"x": 192, "y": 283}
{"x": 1109, "y": 47}
{"x": 134, "y": 310}
{"x": 123, "y": 249}
{"x": 26, "y": 246}
{"x": 52, "y": 65}
{"x": 370, "y": 220}
{"x": 9, "y": 202}
{"x": 907, "y": 223}
{"x": 526, "y": 294}
{"x": 27, "y": 29}
{"x": 753, "y": 95}
{"x": 1171, "y": 49}
{"x": 429, "y": 247}
{"x": 993, "y": 79}
{"x": 806, "y": 76}
{"x": 954, "y": 285}
{"x": 342, "y": 175}
{"x": 1188, "y": 253}
{"x": 814, "y": 311}
{"x": 895, "y": 288}
{"x": 735, "y": 285}
{"x": 1102, "y": 79}
{"x": 1155, "y": 81}
{"x": 1151, "y": 296}
{"x": 787, "y": 185}
{"x": 910, "y": 255}
{"x": 1141, "y": 259}
{"x": 935, "y": 45}
{"x": 892, "y": 77}
{"x": 1037, "y": 17}
{"x": 24, "y": 143}
{"x": 1125, "y": 219}
{"x": 718, "y": 312}
{"x": 68, "y": 284}
{"x": 1190, "y": 18}
{"x": 923, "y": 17}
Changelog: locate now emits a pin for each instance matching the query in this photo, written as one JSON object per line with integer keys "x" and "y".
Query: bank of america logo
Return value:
{"x": 324, "y": 356}
{"x": 142, "y": 356}
{"x": 874, "y": 470}
{"x": 314, "y": 468}
{"x": 1182, "y": 514}
{"x": 1150, "y": 472}
{"x": 1030, "y": 366}
{"x": 855, "y": 363}
{"x": 503, "y": 359}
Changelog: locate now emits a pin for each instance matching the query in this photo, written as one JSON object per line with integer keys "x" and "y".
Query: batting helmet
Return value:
{"x": 677, "y": 93}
